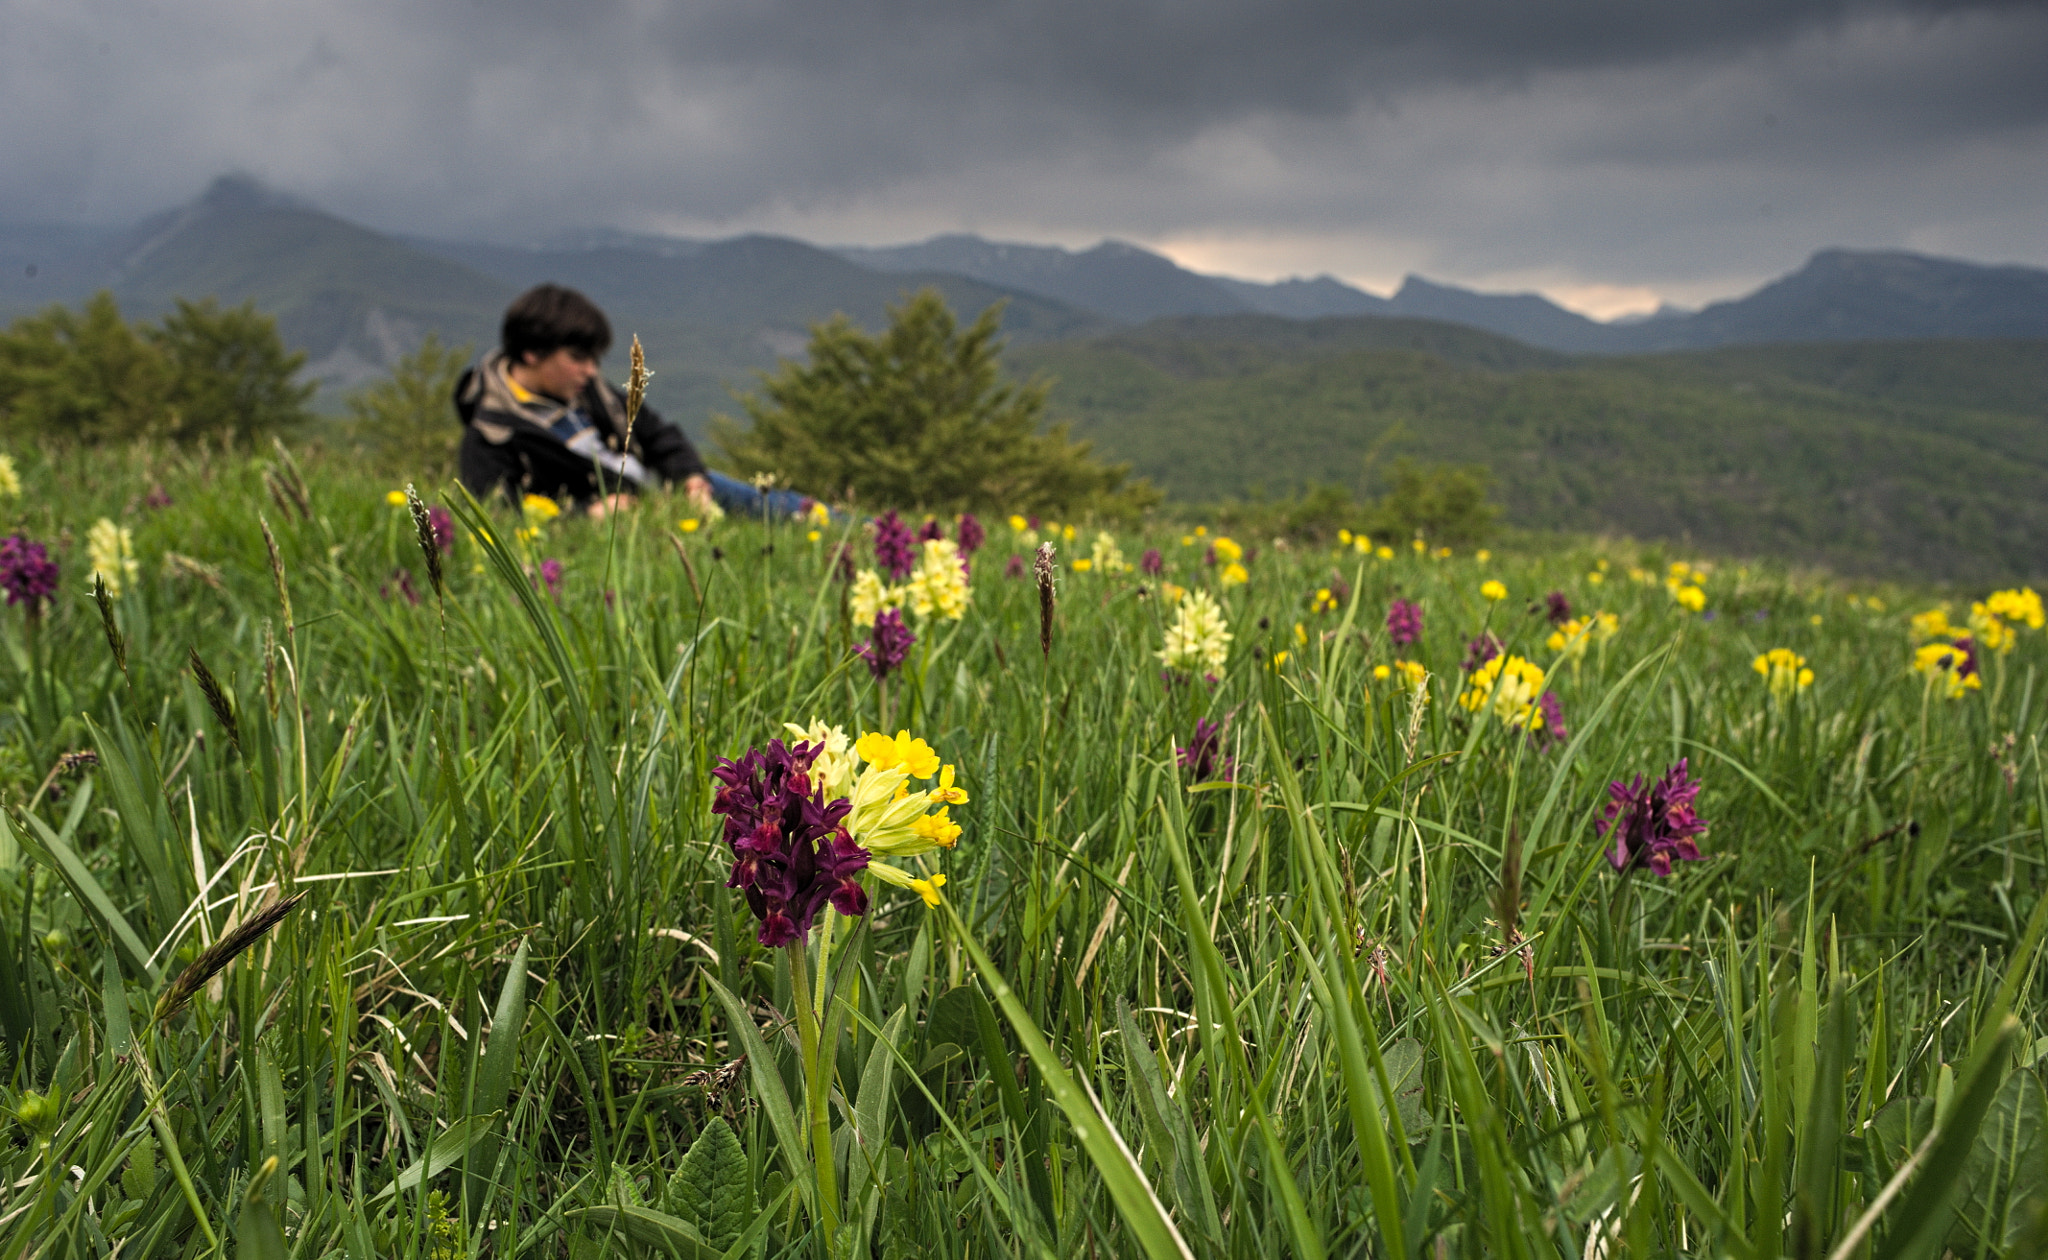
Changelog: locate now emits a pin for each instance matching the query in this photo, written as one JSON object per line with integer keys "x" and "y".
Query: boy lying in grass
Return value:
{"x": 539, "y": 419}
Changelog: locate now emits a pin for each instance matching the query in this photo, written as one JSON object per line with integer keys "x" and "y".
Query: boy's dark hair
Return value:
{"x": 547, "y": 318}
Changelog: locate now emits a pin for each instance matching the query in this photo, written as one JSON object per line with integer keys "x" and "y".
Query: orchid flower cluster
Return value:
{"x": 1199, "y": 638}
{"x": 805, "y": 819}
{"x": 930, "y": 572}
{"x": 1652, "y": 826}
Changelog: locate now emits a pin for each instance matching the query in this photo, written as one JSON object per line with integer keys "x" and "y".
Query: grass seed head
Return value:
{"x": 115, "y": 642}
{"x": 222, "y": 952}
{"x": 423, "y": 530}
{"x": 1047, "y": 597}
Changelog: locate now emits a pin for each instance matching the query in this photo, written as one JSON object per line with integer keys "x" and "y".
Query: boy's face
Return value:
{"x": 562, "y": 373}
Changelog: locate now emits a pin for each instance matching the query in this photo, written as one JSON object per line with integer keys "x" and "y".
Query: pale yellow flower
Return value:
{"x": 832, "y": 769}
{"x": 111, "y": 552}
{"x": 938, "y": 587}
{"x": 1198, "y": 639}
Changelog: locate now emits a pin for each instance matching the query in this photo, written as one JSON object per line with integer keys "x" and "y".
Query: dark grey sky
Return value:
{"x": 1609, "y": 152}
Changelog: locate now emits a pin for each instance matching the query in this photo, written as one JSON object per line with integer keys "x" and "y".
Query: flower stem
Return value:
{"x": 816, "y": 1087}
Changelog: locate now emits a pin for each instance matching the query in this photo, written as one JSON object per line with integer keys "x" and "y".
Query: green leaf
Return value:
{"x": 712, "y": 1189}
{"x": 448, "y": 1148}
{"x": 114, "y": 998}
{"x": 53, "y": 852}
{"x": 494, "y": 1074}
{"x": 767, "y": 1085}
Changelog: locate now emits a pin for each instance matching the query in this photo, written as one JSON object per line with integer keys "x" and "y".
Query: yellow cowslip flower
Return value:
{"x": 1344, "y": 537}
{"x": 1382, "y": 672}
{"x": 1482, "y": 555}
{"x": 689, "y": 525}
{"x": 1018, "y": 524}
{"x": 1640, "y": 575}
{"x": 832, "y": 769}
{"x": 1932, "y": 624}
{"x": 939, "y": 828}
{"x": 1173, "y": 592}
{"x": 1233, "y": 574}
{"x": 1420, "y": 546}
{"x": 813, "y": 536}
{"x": 1785, "y": 671}
{"x": 929, "y": 889}
{"x": 538, "y": 509}
{"x": 1413, "y": 673}
{"x": 1083, "y": 565}
{"x": 1198, "y": 639}
{"x": 1874, "y": 604}
{"x": 1600, "y": 565}
{"x": 1596, "y": 577}
{"x": 1679, "y": 569}
{"x": 913, "y": 756}
{"x": 1815, "y": 620}
{"x": 1443, "y": 553}
{"x": 396, "y": 498}
{"x": 1227, "y": 550}
{"x": 1201, "y": 531}
{"x": 1690, "y": 598}
{"x": 1105, "y": 555}
{"x": 938, "y": 587}
{"x": 1067, "y": 533}
{"x": 1990, "y": 632}
{"x": 1509, "y": 686}
{"x": 1279, "y": 658}
{"x": 1187, "y": 540}
{"x": 945, "y": 793}
{"x": 1362, "y": 545}
{"x": 109, "y": 548}
{"x": 820, "y": 515}
{"x": 2020, "y": 605}
{"x": 1384, "y": 552}
{"x": 1493, "y": 591}
{"x": 1950, "y": 667}
{"x": 1300, "y": 635}
{"x": 1605, "y": 626}
{"x": 1572, "y": 638}
{"x": 1324, "y": 601}
{"x": 10, "y": 480}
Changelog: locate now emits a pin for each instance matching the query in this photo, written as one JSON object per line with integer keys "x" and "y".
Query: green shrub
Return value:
{"x": 404, "y": 424}
{"x": 919, "y": 417}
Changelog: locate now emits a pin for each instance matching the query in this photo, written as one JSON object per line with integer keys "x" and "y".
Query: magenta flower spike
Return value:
{"x": 1652, "y": 826}
{"x": 791, "y": 853}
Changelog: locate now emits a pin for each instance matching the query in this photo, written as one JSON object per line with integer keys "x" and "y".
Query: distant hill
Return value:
{"x": 1927, "y": 459}
{"x": 1839, "y": 295}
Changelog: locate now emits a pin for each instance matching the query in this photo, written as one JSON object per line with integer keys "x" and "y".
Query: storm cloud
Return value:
{"x": 1606, "y": 151}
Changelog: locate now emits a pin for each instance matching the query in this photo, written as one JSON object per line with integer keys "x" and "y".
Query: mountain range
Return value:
{"x": 1874, "y": 411}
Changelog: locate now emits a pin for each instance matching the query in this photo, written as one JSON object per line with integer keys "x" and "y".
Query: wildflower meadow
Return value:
{"x": 384, "y": 874}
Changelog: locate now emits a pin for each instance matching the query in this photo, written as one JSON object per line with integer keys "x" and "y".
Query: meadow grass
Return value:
{"x": 1374, "y": 991}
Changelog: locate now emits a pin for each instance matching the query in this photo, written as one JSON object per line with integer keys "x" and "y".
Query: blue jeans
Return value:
{"x": 739, "y": 498}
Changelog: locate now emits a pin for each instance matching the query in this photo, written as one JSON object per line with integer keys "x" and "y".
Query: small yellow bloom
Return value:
{"x": 1420, "y": 546}
{"x": 820, "y": 515}
{"x": 1596, "y": 577}
{"x": 1493, "y": 590}
{"x": 10, "y": 480}
{"x": 1482, "y": 555}
{"x": 939, "y": 828}
{"x": 1279, "y": 659}
{"x": 1384, "y": 552}
{"x": 1690, "y": 598}
{"x": 1227, "y": 550}
{"x": 1018, "y": 523}
{"x": 1201, "y": 531}
{"x": 1443, "y": 553}
{"x": 1324, "y": 601}
{"x": 946, "y": 793}
{"x": 813, "y": 536}
{"x": 1067, "y": 533}
{"x": 1382, "y": 672}
{"x": 1362, "y": 545}
{"x": 538, "y": 507}
{"x": 526, "y": 533}
{"x": 1815, "y": 620}
{"x": 1187, "y": 540}
{"x": 1874, "y": 604}
{"x": 1233, "y": 574}
{"x": 929, "y": 889}
{"x": 1413, "y": 674}
{"x": 1932, "y": 624}
{"x": 689, "y": 525}
{"x": 396, "y": 498}
{"x": 1173, "y": 592}
{"x": 1784, "y": 670}
{"x": 1944, "y": 664}
{"x": 1083, "y": 565}
{"x": 912, "y": 755}
{"x": 1344, "y": 536}
{"x": 2020, "y": 605}
{"x": 1300, "y": 635}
